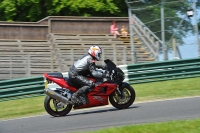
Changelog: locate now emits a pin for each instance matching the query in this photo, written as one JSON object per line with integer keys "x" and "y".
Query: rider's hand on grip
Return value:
{"x": 106, "y": 74}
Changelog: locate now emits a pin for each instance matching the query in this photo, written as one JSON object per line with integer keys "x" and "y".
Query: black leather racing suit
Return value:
{"x": 81, "y": 68}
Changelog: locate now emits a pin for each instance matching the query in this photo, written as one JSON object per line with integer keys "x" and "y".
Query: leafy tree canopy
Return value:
{"x": 34, "y": 10}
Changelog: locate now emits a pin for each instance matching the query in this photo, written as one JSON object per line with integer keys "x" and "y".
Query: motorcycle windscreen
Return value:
{"x": 110, "y": 64}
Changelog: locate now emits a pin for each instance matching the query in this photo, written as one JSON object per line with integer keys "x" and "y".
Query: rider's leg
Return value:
{"x": 75, "y": 96}
{"x": 86, "y": 86}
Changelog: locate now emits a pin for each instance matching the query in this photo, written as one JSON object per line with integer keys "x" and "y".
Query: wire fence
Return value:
{"x": 176, "y": 23}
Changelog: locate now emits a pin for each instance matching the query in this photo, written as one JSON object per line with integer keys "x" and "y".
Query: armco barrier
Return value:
{"x": 160, "y": 71}
{"x": 135, "y": 73}
{"x": 21, "y": 88}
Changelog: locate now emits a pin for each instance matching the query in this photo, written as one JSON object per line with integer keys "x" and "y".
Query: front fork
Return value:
{"x": 120, "y": 88}
{"x": 120, "y": 92}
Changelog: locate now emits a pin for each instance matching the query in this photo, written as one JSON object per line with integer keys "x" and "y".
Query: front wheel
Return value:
{"x": 125, "y": 100}
{"x": 55, "y": 107}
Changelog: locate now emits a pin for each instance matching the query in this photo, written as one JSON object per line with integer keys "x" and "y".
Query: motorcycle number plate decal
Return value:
{"x": 45, "y": 85}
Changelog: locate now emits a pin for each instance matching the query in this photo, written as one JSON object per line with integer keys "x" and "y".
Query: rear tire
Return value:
{"x": 127, "y": 99}
{"x": 54, "y": 109}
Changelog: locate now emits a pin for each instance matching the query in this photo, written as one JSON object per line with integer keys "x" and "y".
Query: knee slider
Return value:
{"x": 91, "y": 85}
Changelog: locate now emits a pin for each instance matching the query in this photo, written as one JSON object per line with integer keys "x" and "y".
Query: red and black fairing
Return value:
{"x": 99, "y": 95}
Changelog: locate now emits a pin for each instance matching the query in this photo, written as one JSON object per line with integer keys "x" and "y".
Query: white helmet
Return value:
{"x": 95, "y": 51}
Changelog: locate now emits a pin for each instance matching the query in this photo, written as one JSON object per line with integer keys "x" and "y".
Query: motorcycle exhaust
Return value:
{"x": 57, "y": 96}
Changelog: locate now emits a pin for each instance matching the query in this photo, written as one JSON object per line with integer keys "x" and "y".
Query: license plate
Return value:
{"x": 45, "y": 85}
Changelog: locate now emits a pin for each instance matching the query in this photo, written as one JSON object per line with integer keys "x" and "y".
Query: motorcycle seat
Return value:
{"x": 55, "y": 74}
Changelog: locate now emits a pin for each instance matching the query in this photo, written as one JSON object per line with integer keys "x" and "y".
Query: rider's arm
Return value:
{"x": 100, "y": 66}
{"x": 92, "y": 68}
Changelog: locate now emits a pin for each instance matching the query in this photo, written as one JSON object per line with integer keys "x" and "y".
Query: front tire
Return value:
{"x": 123, "y": 102}
{"x": 56, "y": 108}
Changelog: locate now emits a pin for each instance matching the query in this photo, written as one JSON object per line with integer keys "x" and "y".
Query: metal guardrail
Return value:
{"x": 161, "y": 71}
{"x": 21, "y": 88}
{"x": 135, "y": 74}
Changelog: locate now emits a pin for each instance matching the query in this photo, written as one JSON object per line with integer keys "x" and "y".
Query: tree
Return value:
{"x": 34, "y": 10}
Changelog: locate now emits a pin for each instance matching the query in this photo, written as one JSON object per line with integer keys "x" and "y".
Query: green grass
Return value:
{"x": 179, "y": 126}
{"x": 167, "y": 89}
{"x": 148, "y": 91}
{"x": 22, "y": 107}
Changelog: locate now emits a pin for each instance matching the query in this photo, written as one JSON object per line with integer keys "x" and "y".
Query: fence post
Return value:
{"x": 52, "y": 50}
{"x": 11, "y": 67}
{"x": 164, "y": 46}
{"x": 124, "y": 55}
{"x": 28, "y": 65}
{"x": 131, "y": 21}
{"x": 114, "y": 54}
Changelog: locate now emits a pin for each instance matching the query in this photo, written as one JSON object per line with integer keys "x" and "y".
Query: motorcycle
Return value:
{"x": 58, "y": 100}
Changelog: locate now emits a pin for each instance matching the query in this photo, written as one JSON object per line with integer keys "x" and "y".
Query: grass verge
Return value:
{"x": 144, "y": 92}
{"x": 179, "y": 126}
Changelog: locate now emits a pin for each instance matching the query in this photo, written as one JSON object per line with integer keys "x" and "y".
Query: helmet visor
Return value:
{"x": 99, "y": 55}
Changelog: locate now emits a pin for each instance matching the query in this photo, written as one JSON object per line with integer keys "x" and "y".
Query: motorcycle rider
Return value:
{"x": 84, "y": 66}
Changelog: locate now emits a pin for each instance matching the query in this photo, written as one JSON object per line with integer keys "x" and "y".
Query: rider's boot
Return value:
{"x": 75, "y": 96}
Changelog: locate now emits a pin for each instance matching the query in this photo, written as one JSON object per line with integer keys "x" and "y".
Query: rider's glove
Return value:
{"x": 106, "y": 74}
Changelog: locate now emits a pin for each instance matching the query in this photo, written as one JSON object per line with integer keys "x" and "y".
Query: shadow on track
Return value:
{"x": 97, "y": 111}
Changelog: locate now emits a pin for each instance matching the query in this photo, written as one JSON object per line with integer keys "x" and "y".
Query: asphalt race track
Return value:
{"x": 93, "y": 119}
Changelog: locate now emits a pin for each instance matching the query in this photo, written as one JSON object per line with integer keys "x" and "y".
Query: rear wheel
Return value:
{"x": 55, "y": 107}
{"x": 124, "y": 101}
